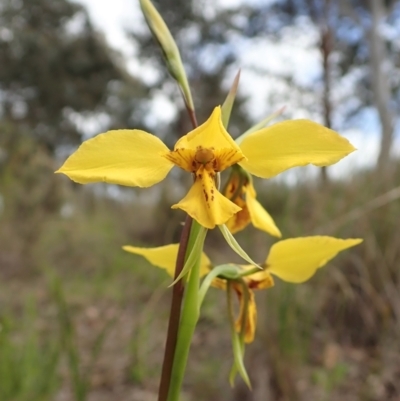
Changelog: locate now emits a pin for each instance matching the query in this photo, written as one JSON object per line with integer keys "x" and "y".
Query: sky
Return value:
{"x": 297, "y": 57}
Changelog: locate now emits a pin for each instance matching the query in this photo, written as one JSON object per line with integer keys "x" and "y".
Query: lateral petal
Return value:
{"x": 296, "y": 259}
{"x": 235, "y": 190}
{"x": 251, "y": 320}
{"x": 260, "y": 218}
{"x": 291, "y": 144}
{"x": 205, "y": 203}
{"x": 125, "y": 157}
{"x": 240, "y": 220}
{"x": 165, "y": 257}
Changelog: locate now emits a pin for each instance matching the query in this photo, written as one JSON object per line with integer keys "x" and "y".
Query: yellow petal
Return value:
{"x": 260, "y": 218}
{"x": 235, "y": 191}
{"x": 240, "y": 220}
{"x": 219, "y": 283}
{"x": 125, "y": 157}
{"x": 251, "y": 321}
{"x": 256, "y": 281}
{"x": 297, "y": 259}
{"x": 183, "y": 158}
{"x": 259, "y": 280}
{"x": 165, "y": 257}
{"x": 226, "y": 157}
{"x": 262, "y": 281}
{"x": 211, "y": 134}
{"x": 290, "y": 144}
{"x": 245, "y": 197}
{"x": 205, "y": 203}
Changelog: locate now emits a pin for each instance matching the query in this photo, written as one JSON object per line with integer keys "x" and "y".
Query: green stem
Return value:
{"x": 189, "y": 317}
{"x": 237, "y": 340}
{"x": 175, "y": 313}
{"x": 226, "y": 271}
{"x": 177, "y": 294}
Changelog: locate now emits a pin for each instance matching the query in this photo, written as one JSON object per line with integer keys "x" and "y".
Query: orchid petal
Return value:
{"x": 205, "y": 203}
{"x": 165, "y": 257}
{"x": 260, "y": 218}
{"x": 297, "y": 259}
{"x": 125, "y": 157}
{"x": 291, "y": 144}
{"x": 251, "y": 320}
{"x": 210, "y": 134}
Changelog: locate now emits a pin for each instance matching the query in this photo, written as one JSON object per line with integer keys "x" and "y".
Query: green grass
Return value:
{"x": 85, "y": 318}
{"x": 28, "y": 357}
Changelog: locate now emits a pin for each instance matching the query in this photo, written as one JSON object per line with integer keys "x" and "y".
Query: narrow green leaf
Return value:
{"x": 230, "y": 239}
{"x": 238, "y": 362}
{"x": 237, "y": 344}
{"x": 230, "y": 99}
{"x": 195, "y": 254}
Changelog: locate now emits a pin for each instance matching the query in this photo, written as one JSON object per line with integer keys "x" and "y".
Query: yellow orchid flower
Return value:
{"x": 137, "y": 158}
{"x": 240, "y": 190}
{"x": 293, "y": 260}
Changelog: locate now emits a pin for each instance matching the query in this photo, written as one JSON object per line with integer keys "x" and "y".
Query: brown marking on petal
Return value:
{"x": 200, "y": 176}
{"x": 252, "y": 284}
{"x": 212, "y": 197}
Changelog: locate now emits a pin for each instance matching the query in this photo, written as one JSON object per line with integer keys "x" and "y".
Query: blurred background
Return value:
{"x": 82, "y": 320}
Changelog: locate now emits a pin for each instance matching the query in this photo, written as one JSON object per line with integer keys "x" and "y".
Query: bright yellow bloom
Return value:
{"x": 137, "y": 158}
{"x": 294, "y": 260}
{"x": 240, "y": 190}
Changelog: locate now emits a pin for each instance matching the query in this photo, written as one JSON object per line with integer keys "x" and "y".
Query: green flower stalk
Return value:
{"x": 169, "y": 49}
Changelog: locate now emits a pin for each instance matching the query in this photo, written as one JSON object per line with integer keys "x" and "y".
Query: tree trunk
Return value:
{"x": 380, "y": 85}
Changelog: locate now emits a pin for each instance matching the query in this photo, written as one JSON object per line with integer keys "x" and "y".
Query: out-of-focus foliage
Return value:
{"x": 54, "y": 65}
{"x": 359, "y": 46}
{"x": 340, "y": 344}
{"x": 56, "y": 71}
